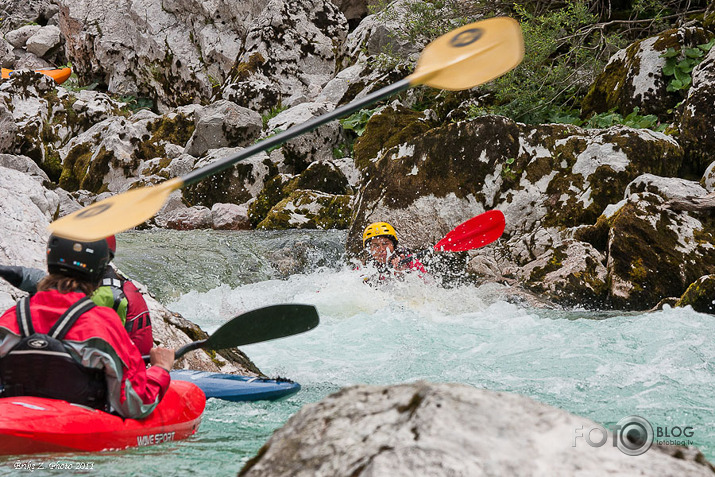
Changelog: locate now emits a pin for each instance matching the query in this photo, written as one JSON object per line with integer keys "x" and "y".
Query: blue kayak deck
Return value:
{"x": 233, "y": 387}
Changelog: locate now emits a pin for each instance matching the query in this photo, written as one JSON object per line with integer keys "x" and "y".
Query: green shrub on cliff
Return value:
{"x": 562, "y": 58}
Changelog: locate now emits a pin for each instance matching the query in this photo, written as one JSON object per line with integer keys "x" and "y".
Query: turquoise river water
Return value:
{"x": 601, "y": 365}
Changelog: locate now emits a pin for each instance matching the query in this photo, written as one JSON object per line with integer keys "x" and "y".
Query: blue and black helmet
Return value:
{"x": 83, "y": 260}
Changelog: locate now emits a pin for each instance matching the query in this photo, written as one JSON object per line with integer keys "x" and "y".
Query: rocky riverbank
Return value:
{"x": 589, "y": 216}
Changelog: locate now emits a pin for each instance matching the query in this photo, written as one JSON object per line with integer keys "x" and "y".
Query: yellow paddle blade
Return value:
{"x": 115, "y": 214}
{"x": 470, "y": 55}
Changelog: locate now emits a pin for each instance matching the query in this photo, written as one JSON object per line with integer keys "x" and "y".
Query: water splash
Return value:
{"x": 603, "y": 366}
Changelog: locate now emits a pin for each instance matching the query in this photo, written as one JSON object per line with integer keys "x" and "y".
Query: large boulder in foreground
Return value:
{"x": 445, "y": 429}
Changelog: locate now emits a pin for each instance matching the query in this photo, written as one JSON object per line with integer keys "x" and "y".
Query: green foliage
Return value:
{"x": 215, "y": 82}
{"x": 634, "y": 120}
{"x": 343, "y": 150}
{"x": 275, "y": 111}
{"x": 679, "y": 65}
{"x": 507, "y": 171}
{"x": 385, "y": 61}
{"x": 273, "y": 133}
{"x": 563, "y": 56}
{"x": 134, "y": 103}
{"x": 357, "y": 121}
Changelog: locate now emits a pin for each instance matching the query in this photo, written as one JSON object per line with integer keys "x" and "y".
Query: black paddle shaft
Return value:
{"x": 255, "y": 326}
{"x": 295, "y": 131}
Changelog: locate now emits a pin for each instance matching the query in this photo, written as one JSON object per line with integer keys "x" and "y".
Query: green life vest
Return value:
{"x": 110, "y": 294}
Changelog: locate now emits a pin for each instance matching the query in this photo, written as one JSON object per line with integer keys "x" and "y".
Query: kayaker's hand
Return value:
{"x": 162, "y": 357}
{"x": 400, "y": 261}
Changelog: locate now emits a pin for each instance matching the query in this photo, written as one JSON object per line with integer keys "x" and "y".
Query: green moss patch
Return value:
{"x": 700, "y": 295}
{"x": 309, "y": 210}
{"x": 385, "y": 130}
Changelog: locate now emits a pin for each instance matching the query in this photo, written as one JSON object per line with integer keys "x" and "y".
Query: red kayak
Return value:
{"x": 31, "y": 425}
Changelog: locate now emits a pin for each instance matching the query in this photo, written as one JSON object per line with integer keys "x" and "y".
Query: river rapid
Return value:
{"x": 601, "y": 365}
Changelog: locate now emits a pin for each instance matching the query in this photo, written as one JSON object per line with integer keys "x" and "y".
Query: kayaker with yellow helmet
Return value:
{"x": 381, "y": 244}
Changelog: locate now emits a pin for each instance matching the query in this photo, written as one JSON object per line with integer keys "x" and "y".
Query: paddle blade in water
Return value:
{"x": 474, "y": 233}
{"x": 114, "y": 214}
{"x": 470, "y": 55}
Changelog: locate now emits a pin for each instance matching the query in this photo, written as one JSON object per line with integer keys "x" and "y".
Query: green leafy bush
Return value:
{"x": 634, "y": 120}
{"x": 680, "y": 63}
{"x": 275, "y": 111}
{"x": 563, "y": 56}
{"x": 357, "y": 121}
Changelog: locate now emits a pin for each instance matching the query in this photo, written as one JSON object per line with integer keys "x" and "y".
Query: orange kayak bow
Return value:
{"x": 60, "y": 75}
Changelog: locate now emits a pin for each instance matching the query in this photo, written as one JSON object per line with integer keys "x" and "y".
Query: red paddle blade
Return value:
{"x": 474, "y": 233}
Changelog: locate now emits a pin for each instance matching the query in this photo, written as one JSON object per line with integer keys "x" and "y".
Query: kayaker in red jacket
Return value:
{"x": 97, "y": 348}
{"x": 380, "y": 241}
{"x": 128, "y": 301}
{"x": 116, "y": 291}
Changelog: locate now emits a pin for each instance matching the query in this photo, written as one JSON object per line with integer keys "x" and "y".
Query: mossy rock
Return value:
{"x": 571, "y": 274}
{"x": 596, "y": 235}
{"x": 84, "y": 168}
{"x": 387, "y": 129}
{"x": 272, "y": 193}
{"x": 700, "y": 295}
{"x": 696, "y": 129}
{"x": 228, "y": 186}
{"x": 174, "y": 129}
{"x": 323, "y": 177}
{"x": 641, "y": 151}
{"x": 306, "y": 209}
{"x": 651, "y": 256}
{"x": 634, "y": 76}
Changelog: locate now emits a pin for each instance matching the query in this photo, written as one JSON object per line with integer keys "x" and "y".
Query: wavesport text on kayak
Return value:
{"x": 153, "y": 439}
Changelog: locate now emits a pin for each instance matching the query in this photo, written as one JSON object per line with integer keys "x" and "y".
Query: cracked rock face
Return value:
{"x": 444, "y": 430}
{"x": 177, "y": 52}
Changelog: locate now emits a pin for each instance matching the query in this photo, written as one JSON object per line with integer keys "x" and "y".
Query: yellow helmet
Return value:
{"x": 379, "y": 229}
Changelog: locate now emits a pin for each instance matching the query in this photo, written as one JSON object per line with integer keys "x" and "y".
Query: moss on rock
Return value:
{"x": 633, "y": 79}
{"x": 385, "y": 130}
{"x": 596, "y": 235}
{"x": 305, "y": 209}
{"x": 82, "y": 169}
{"x": 272, "y": 193}
{"x": 571, "y": 274}
{"x": 645, "y": 253}
{"x": 175, "y": 129}
{"x": 700, "y": 295}
{"x": 74, "y": 166}
{"x": 224, "y": 187}
{"x": 323, "y": 177}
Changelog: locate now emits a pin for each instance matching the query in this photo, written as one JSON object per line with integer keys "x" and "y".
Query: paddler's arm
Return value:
{"x": 24, "y": 278}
